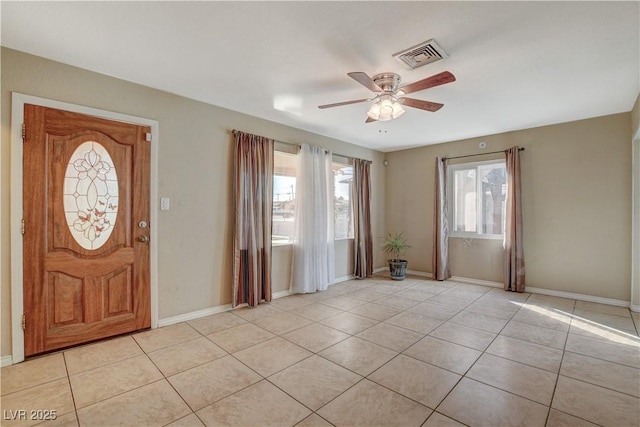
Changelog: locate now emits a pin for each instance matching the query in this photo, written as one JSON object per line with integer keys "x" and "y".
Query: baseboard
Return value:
{"x": 550, "y": 292}
{"x": 542, "y": 291}
{"x": 420, "y": 273}
{"x": 343, "y": 279}
{"x": 287, "y": 292}
{"x": 193, "y": 315}
{"x": 411, "y": 272}
{"x": 581, "y": 297}
{"x": 6, "y": 361}
{"x": 209, "y": 311}
{"x": 281, "y": 294}
{"x": 477, "y": 281}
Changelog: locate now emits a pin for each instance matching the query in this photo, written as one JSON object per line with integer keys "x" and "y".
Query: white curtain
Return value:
{"x": 313, "y": 265}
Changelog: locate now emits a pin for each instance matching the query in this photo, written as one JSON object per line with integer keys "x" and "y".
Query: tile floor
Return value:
{"x": 364, "y": 353}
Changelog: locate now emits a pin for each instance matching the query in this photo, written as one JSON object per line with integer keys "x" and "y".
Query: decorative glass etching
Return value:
{"x": 91, "y": 195}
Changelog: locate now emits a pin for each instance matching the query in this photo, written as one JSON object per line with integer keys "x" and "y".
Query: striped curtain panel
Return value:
{"x": 440, "y": 258}
{"x": 513, "y": 246}
{"x": 363, "y": 240}
{"x": 253, "y": 191}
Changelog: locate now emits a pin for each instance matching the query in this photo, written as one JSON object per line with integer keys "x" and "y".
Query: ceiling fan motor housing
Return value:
{"x": 388, "y": 82}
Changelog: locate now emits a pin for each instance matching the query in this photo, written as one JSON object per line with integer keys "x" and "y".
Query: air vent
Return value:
{"x": 422, "y": 54}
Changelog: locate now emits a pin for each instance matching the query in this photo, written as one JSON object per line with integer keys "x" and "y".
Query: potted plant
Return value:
{"x": 396, "y": 246}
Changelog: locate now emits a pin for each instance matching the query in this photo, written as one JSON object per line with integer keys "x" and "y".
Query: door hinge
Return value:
{"x": 147, "y": 136}
{"x": 24, "y": 131}
{"x": 22, "y": 227}
{"x": 24, "y": 322}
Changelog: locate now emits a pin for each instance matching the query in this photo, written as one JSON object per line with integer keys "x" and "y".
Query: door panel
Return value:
{"x": 86, "y": 187}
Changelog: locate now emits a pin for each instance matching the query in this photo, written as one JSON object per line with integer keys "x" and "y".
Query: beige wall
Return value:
{"x": 576, "y": 206}
{"x": 635, "y": 117}
{"x": 195, "y": 167}
{"x": 577, "y": 193}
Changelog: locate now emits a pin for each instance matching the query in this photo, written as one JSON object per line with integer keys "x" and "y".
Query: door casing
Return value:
{"x": 635, "y": 224}
{"x": 17, "y": 118}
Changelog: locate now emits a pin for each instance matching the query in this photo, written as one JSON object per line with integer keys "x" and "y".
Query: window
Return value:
{"x": 284, "y": 197}
{"x": 476, "y": 198}
{"x": 343, "y": 210}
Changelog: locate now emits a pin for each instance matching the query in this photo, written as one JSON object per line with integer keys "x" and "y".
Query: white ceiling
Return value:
{"x": 518, "y": 64}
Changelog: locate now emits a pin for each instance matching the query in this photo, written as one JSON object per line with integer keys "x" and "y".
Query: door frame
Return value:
{"x": 18, "y": 100}
{"x": 635, "y": 223}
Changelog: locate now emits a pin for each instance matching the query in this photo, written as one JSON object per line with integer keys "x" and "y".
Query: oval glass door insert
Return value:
{"x": 91, "y": 195}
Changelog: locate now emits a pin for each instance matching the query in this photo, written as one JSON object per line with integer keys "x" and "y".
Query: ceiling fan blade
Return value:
{"x": 370, "y": 120}
{"x": 365, "y": 81}
{"x": 423, "y": 105}
{"x": 338, "y": 104}
{"x": 435, "y": 80}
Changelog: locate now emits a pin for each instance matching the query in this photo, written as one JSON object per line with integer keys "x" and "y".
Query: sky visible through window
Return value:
{"x": 284, "y": 196}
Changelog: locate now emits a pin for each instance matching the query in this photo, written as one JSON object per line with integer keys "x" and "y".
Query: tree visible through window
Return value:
{"x": 343, "y": 210}
{"x": 476, "y": 198}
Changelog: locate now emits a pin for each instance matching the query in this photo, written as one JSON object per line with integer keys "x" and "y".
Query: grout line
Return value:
{"x": 575, "y": 416}
{"x": 418, "y": 285}
{"x": 598, "y": 385}
{"x": 73, "y": 397}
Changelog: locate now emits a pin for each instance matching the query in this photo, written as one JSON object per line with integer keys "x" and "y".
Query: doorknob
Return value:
{"x": 143, "y": 239}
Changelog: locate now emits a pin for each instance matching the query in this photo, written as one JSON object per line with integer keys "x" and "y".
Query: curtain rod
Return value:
{"x": 234, "y": 131}
{"x": 479, "y": 154}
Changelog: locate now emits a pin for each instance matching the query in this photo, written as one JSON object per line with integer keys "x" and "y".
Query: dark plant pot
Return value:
{"x": 398, "y": 269}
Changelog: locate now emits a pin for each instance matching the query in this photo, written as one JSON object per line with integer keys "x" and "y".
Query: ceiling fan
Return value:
{"x": 389, "y": 98}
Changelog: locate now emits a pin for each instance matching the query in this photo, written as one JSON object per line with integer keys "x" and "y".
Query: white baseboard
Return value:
{"x": 533, "y": 290}
{"x": 193, "y": 315}
{"x": 281, "y": 294}
{"x": 550, "y": 292}
{"x": 420, "y": 273}
{"x": 581, "y": 297}
{"x": 288, "y": 292}
{"x": 209, "y": 311}
{"x": 477, "y": 281}
{"x": 6, "y": 361}
{"x": 343, "y": 279}
{"x": 412, "y": 272}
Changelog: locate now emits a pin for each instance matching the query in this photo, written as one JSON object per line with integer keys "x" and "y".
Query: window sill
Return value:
{"x": 279, "y": 244}
{"x": 476, "y": 236}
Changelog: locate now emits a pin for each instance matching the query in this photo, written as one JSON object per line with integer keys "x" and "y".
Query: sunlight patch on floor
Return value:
{"x": 587, "y": 325}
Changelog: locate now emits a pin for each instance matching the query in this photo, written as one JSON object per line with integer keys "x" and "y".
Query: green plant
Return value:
{"x": 395, "y": 245}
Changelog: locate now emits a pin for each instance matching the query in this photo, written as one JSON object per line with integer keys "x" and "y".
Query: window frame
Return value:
{"x": 293, "y": 150}
{"x": 478, "y": 234}
{"x": 346, "y": 161}
{"x": 287, "y": 150}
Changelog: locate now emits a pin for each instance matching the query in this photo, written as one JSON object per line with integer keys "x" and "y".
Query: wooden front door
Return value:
{"x": 86, "y": 228}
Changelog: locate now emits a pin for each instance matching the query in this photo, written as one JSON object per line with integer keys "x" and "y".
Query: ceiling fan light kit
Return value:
{"x": 385, "y": 109}
{"x": 389, "y": 98}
